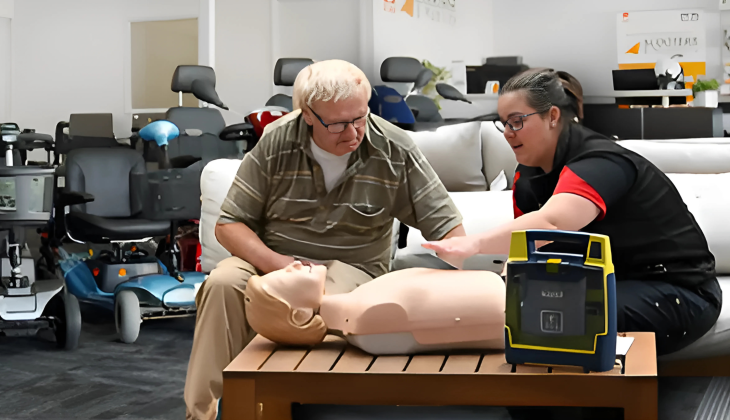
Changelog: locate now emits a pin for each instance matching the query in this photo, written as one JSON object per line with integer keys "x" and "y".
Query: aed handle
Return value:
{"x": 558, "y": 236}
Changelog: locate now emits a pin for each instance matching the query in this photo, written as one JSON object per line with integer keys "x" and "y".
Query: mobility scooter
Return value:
{"x": 139, "y": 206}
{"x": 33, "y": 296}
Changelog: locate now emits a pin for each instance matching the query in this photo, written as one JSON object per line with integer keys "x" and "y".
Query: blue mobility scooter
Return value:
{"x": 123, "y": 204}
{"x": 33, "y": 295}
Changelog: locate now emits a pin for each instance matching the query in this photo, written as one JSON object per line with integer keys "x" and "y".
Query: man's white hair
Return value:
{"x": 328, "y": 80}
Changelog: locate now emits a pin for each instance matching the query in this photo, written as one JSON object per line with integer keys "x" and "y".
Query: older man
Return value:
{"x": 323, "y": 185}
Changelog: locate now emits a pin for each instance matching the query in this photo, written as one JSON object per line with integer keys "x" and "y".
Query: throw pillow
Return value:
{"x": 455, "y": 153}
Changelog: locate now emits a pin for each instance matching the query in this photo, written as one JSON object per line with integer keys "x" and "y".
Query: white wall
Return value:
{"x": 470, "y": 38}
{"x": 70, "y": 58}
{"x": 7, "y": 7}
{"x": 5, "y": 68}
{"x": 251, "y": 35}
{"x": 318, "y": 29}
{"x": 579, "y": 36}
{"x": 243, "y": 55}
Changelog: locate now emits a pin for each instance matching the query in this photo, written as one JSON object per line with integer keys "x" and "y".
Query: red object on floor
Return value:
{"x": 198, "y": 254}
{"x": 188, "y": 251}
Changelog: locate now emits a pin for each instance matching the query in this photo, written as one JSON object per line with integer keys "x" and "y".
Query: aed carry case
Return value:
{"x": 561, "y": 301}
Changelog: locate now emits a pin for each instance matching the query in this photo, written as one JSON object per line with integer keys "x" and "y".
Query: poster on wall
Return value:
{"x": 442, "y": 11}
{"x": 644, "y": 38}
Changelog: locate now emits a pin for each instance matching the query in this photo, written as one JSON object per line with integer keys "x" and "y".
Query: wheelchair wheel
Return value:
{"x": 127, "y": 316}
{"x": 67, "y": 336}
{"x": 64, "y": 309}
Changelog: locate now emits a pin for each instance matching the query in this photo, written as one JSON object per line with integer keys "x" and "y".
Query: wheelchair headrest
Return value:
{"x": 198, "y": 80}
{"x": 100, "y": 126}
{"x": 400, "y": 69}
{"x": 287, "y": 69}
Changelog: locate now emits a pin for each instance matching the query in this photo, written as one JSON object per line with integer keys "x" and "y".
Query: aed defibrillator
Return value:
{"x": 561, "y": 301}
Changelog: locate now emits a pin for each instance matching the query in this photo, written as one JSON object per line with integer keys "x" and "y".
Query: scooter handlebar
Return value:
{"x": 32, "y": 141}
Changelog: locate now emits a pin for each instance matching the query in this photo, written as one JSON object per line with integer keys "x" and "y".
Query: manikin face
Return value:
{"x": 533, "y": 144}
{"x": 299, "y": 285}
{"x": 344, "y": 120}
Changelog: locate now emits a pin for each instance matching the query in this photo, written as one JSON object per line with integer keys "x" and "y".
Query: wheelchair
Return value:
{"x": 33, "y": 295}
{"x": 109, "y": 197}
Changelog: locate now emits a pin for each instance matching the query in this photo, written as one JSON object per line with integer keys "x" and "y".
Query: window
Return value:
{"x": 157, "y": 48}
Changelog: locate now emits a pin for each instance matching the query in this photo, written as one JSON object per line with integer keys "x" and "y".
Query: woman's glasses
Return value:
{"x": 515, "y": 122}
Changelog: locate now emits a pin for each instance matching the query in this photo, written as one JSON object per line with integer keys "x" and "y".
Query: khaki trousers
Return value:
{"x": 221, "y": 329}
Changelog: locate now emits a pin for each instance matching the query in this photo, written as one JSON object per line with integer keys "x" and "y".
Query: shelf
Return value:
{"x": 650, "y": 93}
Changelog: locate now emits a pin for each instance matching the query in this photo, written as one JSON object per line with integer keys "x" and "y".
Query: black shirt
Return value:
{"x": 653, "y": 235}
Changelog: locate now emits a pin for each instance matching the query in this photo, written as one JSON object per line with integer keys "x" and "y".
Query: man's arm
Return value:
{"x": 243, "y": 243}
{"x": 423, "y": 202}
{"x": 242, "y": 214}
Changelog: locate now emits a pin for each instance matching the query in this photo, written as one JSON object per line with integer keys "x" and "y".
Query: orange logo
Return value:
{"x": 408, "y": 7}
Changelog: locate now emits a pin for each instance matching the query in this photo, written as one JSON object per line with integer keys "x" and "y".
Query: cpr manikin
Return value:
{"x": 403, "y": 312}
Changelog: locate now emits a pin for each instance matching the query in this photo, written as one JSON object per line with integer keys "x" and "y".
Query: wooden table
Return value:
{"x": 265, "y": 379}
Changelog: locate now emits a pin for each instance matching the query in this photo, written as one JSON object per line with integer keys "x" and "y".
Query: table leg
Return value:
{"x": 239, "y": 400}
{"x": 641, "y": 400}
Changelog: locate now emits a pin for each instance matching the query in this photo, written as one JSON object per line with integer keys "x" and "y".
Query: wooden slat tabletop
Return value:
{"x": 334, "y": 355}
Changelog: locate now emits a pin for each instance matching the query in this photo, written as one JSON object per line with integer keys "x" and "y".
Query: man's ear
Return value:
{"x": 308, "y": 117}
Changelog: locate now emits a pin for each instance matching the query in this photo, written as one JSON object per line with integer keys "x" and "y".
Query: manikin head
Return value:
{"x": 333, "y": 96}
{"x": 282, "y": 305}
{"x": 534, "y": 107}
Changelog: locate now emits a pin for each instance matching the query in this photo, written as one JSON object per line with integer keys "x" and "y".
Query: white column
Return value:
{"x": 275, "y": 46}
{"x": 206, "y": 33}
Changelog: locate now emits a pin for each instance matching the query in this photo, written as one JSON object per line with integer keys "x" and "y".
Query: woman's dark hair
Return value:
{"x": 546, "y": 87}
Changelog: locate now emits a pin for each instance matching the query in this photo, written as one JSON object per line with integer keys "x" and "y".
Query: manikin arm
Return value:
{"x": 563, "y": 211}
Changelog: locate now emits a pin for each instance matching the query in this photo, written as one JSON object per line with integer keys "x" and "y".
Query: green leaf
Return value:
{"x": 703, "y": 85}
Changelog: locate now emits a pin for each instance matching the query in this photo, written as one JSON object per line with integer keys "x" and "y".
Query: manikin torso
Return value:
{"x": 407, "y": 311}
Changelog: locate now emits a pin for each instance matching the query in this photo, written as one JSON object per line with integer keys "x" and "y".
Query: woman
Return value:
{"x": 571, "y": 178}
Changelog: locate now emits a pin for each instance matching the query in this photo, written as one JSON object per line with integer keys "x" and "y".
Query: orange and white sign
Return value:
{"x": 626, "y": 17}
{"x": 389, "y": 6}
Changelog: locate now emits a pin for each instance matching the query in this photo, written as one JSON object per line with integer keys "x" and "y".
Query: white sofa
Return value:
{"x": 477, "y": 166}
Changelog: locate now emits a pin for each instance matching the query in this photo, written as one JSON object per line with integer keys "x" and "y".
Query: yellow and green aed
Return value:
{"x": 561, "y": 300}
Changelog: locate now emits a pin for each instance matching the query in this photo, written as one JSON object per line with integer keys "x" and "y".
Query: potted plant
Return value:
{"x": 705, "y": 93}
{"x": 440, "y": 74}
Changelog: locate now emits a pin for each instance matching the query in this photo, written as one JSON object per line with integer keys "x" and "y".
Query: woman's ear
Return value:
{"x": 554, "y": 116}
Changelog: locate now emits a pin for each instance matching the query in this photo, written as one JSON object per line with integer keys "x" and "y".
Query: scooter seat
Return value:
{"x": 90, "y": 228}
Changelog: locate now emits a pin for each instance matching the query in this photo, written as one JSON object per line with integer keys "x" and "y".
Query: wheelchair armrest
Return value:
{"x": 71, "y": 198}
{"x": 183, "y": 161}
{"x": 236, "y": 132}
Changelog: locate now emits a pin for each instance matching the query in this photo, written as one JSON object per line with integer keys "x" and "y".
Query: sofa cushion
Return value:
{"x": 708, "y": 199}
{"x": 482, "y": 211}
{"x": 215, "y": 181}
{"x": 455, "y": 153}
{"x": 497, "y": 155}
{"x": 688, "y": 156}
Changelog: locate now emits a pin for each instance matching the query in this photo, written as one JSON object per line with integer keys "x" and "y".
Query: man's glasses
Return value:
{"x": 515, "y": 122}
{"x": 338, "y": 127}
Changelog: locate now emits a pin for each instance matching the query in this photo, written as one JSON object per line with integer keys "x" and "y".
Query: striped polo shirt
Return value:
{"x": 279, "y": 192}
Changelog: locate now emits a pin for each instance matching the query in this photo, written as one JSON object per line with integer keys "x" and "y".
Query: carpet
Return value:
{"x": 103, "y": 378}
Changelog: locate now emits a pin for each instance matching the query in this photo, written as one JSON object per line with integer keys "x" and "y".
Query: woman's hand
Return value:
{"x": 455, "y": 250}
